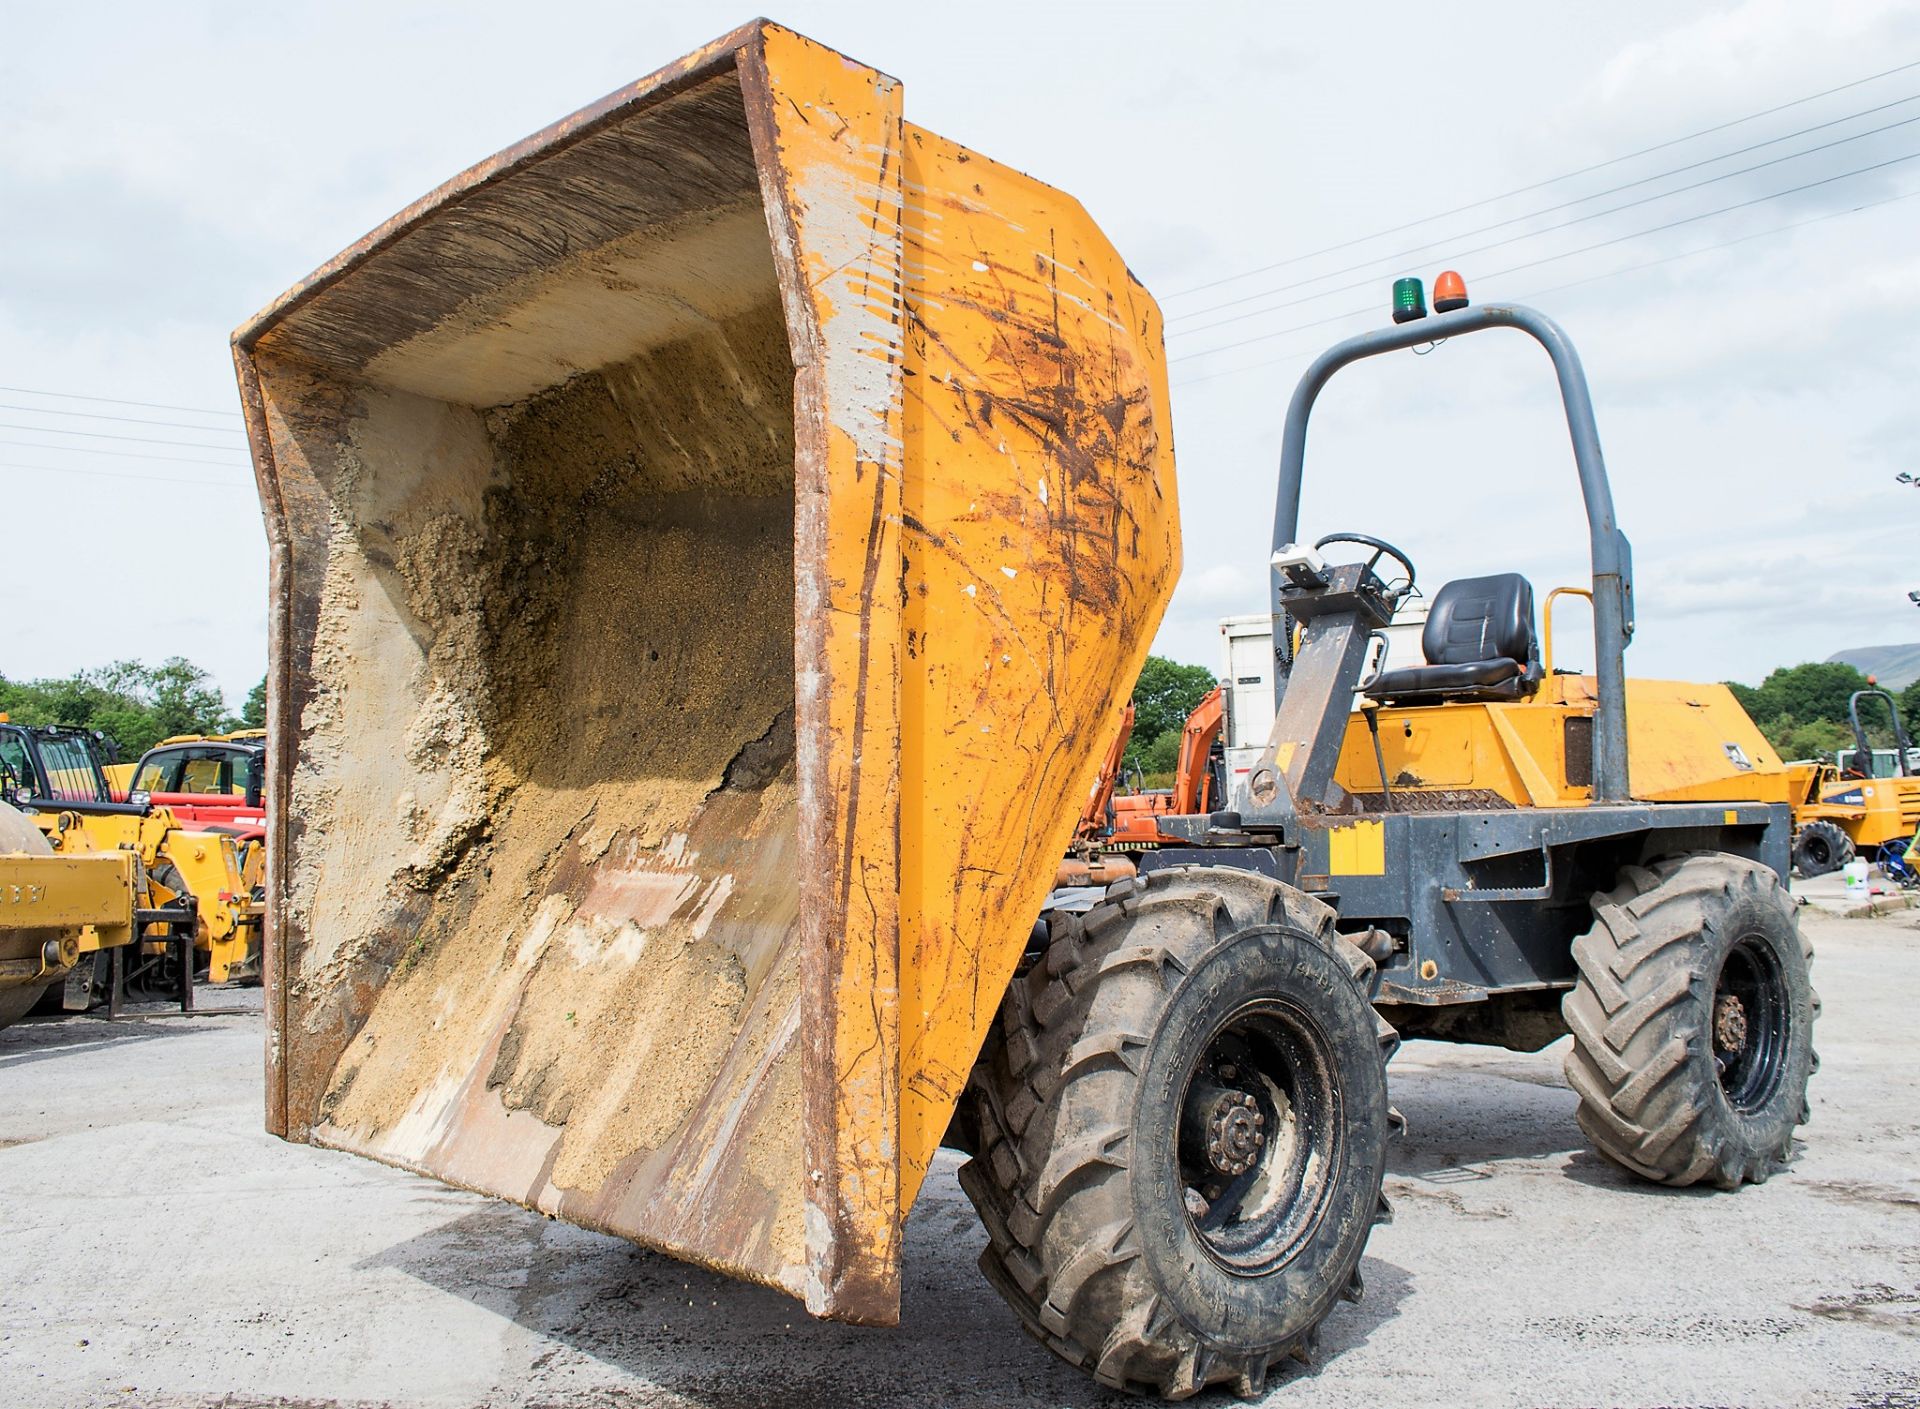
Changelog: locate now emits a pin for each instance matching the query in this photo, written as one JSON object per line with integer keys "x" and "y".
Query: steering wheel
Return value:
{"x": 1381, "y": 549}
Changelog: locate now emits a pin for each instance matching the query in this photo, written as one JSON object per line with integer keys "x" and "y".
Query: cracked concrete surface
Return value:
{"x": 159, "y": 1250}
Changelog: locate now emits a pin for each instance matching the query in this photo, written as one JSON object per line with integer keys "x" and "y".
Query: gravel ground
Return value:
{"x": 156, "y": 1249}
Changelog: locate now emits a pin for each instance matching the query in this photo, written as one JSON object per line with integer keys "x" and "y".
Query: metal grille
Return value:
{"x": 1434, "y": 800}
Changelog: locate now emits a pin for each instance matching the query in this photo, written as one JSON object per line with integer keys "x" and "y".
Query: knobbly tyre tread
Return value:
{"x": 1639, "y": 1031}
{"x": 1839, "y": 848}
{"x": 1058, "y": 1212}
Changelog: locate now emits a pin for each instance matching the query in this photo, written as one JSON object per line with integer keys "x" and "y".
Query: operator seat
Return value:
{"x": 1479, "y": 643}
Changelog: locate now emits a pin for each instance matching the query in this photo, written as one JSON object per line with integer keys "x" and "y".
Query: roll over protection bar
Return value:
{"x": 1611, "y": 553}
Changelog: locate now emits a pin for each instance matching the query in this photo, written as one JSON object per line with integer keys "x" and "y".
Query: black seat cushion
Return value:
{"x": 1426, "y": 679}
{"x": 1479, "y": 645}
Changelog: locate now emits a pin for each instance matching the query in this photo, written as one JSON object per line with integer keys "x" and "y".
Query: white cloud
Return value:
{"x": 1705, "y": 67}
{"x": 182, "y": 164}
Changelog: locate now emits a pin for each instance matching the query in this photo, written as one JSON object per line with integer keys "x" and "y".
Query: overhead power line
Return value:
{"x": 1401, "y": 255}
{"x": 1574, "y": 283}
{"x": 1723, "y": 244}
{"x": 124, "y": 474}
{"x": 122, "y": 420}
{"x": 1550, "y": 181}
{"x": 127, "y": 454}
{"x": 1568, "y": 254}
{"x": 136, "y": 439}
{"x": 117, "y": 401}
{"x": 1423, "y": 249}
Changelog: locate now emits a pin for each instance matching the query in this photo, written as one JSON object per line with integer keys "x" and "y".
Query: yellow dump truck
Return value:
{"x": 712, "y": 545}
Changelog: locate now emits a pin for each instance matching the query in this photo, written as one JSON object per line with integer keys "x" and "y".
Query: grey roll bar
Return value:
{"x": 1612, "y": 554}
{"x": 1863, "y": 746}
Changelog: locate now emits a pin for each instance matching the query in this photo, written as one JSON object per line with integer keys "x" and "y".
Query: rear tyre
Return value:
{"x": 1179, "y": 1132}
{"x": 1692, "y": 1022}
{"x": 1820, "y": 848}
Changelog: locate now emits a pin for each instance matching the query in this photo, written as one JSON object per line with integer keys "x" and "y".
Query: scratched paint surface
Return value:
{"x": 1041, "y": 544}
{"x": 691, "y": 653}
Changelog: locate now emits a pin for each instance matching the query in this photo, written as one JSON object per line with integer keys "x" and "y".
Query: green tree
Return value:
{"x": 1163, "y": 697}
{"x": 135, "y": 705}
{"x": 1818, "y": 738}
{"x": 1811, "y": 691}
{"x": 184, "y": 699}
{"x": 1160, "y": 757}
{"x": 1910, "y": 707}
{"x": 253, "y": 714}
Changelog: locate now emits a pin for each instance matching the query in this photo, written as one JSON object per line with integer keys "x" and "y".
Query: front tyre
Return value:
{"x": 1181, "y": 1131}
{"x": 1692, "y": 1022}
{"x": 1821, "y": 848}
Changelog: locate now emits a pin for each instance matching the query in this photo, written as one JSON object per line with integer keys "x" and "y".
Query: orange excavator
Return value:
{"x": 1131, "y": 820}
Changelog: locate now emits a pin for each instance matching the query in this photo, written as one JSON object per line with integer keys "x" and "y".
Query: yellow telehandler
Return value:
{"x": 712, "y": 544}
{"x": 64, "y": 911}
{"x": 58, "y": 778}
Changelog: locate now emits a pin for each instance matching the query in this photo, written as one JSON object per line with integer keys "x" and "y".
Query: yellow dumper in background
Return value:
{"x": 678, "y": 523}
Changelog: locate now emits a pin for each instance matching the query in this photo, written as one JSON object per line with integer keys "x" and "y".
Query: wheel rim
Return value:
{"x": 1258, "y": 1145}
{"x": 1816, "y": 851}
{"x": 1749, "y": 1024}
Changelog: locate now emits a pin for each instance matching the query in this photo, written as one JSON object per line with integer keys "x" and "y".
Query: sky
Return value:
{"x": 1267, "y": 170}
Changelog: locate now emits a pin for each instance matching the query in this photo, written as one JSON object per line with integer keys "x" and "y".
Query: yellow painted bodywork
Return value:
{"x": 235, "y": 736}
{"x": 88, "y": 900}
{"x": 1871, "y": 811}
{"x": 1685, "y": 743}
{"x": 1036, "y": 415}
{"x": 1357, "y": 849}
{"x": 228, "y": 926}
{"x": 66, "y": 890}
{"x": 984, "y": 536}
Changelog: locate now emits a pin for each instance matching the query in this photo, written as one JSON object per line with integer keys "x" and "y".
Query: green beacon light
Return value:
{"x": 1409, "y": 300}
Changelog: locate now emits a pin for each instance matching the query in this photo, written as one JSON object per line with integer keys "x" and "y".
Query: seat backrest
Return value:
{"x": 1481, "y": 618}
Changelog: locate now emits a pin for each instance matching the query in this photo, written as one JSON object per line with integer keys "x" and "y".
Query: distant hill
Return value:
{"x": 1895, "y": 667}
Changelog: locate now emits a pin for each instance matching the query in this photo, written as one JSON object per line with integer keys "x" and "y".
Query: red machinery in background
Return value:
{"x": 1129, "y": 821}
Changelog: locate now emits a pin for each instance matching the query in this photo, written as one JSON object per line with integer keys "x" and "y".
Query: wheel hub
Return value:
{"x": 1751, "y": 1024}
{"x": 1259, "y": 1132}
{"x": 1234, "y": 1136}
{"x": 1729, "y": 1025}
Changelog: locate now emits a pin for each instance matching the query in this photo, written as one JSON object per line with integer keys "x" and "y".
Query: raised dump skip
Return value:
{"x": 712, "y": 542}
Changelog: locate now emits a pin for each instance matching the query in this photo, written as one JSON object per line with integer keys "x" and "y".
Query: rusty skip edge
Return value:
{"x": 849, "y": 1087}
{"x": 619, "y": 105}
{"x": 852, "y": 1215}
